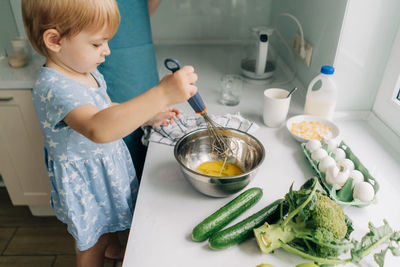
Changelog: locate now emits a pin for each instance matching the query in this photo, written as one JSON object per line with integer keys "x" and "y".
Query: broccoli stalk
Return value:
{"x": 269, "y": 237}
{"x": 317, "y": 229}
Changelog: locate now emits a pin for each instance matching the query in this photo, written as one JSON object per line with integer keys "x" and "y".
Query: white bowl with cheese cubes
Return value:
{"x": 308, "y": 127}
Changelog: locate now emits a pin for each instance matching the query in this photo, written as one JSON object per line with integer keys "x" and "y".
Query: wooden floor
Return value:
{"x": 29, "y": 241}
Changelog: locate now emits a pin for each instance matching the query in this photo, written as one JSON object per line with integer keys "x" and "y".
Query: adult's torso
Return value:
{"x": 131, "y": 68}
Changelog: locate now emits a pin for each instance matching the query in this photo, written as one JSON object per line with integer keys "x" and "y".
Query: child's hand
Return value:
{"x": 179, "y": 86}
{"x": 164, "y": 118}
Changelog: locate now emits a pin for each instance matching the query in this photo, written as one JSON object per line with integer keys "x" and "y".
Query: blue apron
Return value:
{"x": 131, "y": 68}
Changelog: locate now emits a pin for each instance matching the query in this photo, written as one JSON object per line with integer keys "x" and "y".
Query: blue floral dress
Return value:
{"x": 94, "y": 186}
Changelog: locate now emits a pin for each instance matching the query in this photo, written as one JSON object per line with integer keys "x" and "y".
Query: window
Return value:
{"x": 387, "y": 103}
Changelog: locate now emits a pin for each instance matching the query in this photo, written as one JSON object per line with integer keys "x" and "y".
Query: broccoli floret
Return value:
{"x": 328, "y": 218}
{"x": 328, "y": 226}
{"x": 317, "y": 229}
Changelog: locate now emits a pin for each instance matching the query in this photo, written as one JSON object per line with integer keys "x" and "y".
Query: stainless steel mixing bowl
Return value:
{"x": 194, "y": 148}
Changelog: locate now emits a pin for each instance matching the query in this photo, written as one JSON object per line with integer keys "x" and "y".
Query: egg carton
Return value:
{"x": 344, "y": 196}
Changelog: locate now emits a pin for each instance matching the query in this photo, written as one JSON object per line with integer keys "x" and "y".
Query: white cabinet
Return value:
{"x": 21, "y": 152}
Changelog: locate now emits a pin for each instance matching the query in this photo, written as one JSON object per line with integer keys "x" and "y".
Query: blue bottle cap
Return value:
{"x": 327, "y": 69}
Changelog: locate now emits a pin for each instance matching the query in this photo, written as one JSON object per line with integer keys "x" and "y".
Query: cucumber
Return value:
{"x": 244, "y": 229}
{"x": 226, "y": 214}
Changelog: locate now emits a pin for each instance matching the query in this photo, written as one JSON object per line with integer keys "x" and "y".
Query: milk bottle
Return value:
{"x": 322, "y": 94}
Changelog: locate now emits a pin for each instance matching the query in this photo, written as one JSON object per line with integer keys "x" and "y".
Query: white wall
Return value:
{"x": 364, "y": 46}
{"x": 365, "y": 43}
{"x": 229, "y": 21}
{"x": 16, "y": 8}
{"x": 321, "y": 21}
{"x": 359, "y": 56}
{"x": 8, "y": 27}
{"x": 200, "y": 21}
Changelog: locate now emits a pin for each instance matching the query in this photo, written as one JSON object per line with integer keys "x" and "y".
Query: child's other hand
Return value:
{"x": 179, "y": 86}
{"x": 164, "y": 118}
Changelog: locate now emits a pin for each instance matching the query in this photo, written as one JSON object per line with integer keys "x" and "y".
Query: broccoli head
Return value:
{"x": 315, "y": 224}
{"x": 328, "y": 219}
{"x": 328, "y": 225}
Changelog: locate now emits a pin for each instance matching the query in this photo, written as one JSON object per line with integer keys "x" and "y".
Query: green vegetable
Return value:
{"x": 265, "y": 265}
{"x": 244, "y": 229}
{"x": 317, "y": 229}
{"x": 226, "y": 214}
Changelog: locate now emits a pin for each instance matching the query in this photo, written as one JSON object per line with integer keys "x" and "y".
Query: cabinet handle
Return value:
{"x": 6, "y": 99}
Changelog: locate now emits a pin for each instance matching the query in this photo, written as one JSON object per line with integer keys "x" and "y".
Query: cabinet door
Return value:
{"x": 21, "y": 150}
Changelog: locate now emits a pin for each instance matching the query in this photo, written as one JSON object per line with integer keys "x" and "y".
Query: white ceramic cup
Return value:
{"x": 276, "y": 106}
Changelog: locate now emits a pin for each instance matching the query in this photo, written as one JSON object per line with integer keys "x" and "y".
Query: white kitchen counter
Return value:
{"x": 168, "y": 207}
{"x": 20, "y": 78}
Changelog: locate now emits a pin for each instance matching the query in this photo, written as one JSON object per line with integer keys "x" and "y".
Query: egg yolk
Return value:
{"x": 219, "y": 169}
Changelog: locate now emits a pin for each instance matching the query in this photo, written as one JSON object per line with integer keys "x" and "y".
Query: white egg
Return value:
{"x": 357, "y": 176}
{"x": 328, "y": 180}
{"x": 332, "y": 144}
{"x": 339, "y": 154}
{"x": 363, "y": 191}
{"x": 319, "y": 154}
{"x": 341, "y": 178}
{"x": 337, "y": 186}
{"x": 313, "y": 145}
{"x": 331, "y": 172}
{"x": 345, "y": 164}
{"x": 326, "y": 163}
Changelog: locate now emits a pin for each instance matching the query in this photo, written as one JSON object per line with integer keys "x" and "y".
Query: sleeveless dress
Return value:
{"x": 131, "y": 68}
{"x": 93, "y": 186}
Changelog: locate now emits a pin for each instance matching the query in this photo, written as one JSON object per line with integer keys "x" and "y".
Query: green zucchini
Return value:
{"x": 226, "y": 214}
{"x": 244, "y": 229}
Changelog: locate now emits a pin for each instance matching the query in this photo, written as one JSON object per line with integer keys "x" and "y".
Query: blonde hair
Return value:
{"x": 68, "y": 17}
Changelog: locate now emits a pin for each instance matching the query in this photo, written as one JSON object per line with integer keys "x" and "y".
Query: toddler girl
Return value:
{"x": 94, "y": 185}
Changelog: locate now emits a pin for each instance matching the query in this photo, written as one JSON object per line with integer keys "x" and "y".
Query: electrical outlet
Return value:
{"x": 307, "y": 46}
{"x": 296, "y": 44}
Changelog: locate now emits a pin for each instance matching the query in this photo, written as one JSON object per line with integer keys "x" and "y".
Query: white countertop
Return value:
{"x": 168, "y": 207}
{"x": 20, "y": 78}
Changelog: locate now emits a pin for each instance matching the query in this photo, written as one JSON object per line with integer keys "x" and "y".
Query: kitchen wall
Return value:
{"x": 229, "y": 21}
{"x": 321, "y": 21}
{"x": 364, "y": 47}
{"x": 8, "y": 26}
{"x": 353, "y": 35}
{"x": 359, "y": 59}
{"x": 16, "y": 8}
{"x": 208, "y": 21}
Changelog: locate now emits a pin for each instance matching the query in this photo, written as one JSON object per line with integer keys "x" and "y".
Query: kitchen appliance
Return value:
{"x": 256, "y": 65}
{"x": 193, "y": 149}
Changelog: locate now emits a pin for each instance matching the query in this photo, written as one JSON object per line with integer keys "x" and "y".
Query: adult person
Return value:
{"x": 131, "y": 69}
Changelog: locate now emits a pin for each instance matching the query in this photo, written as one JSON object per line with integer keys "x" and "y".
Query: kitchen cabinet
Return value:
{"x": 21, "y": 152}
